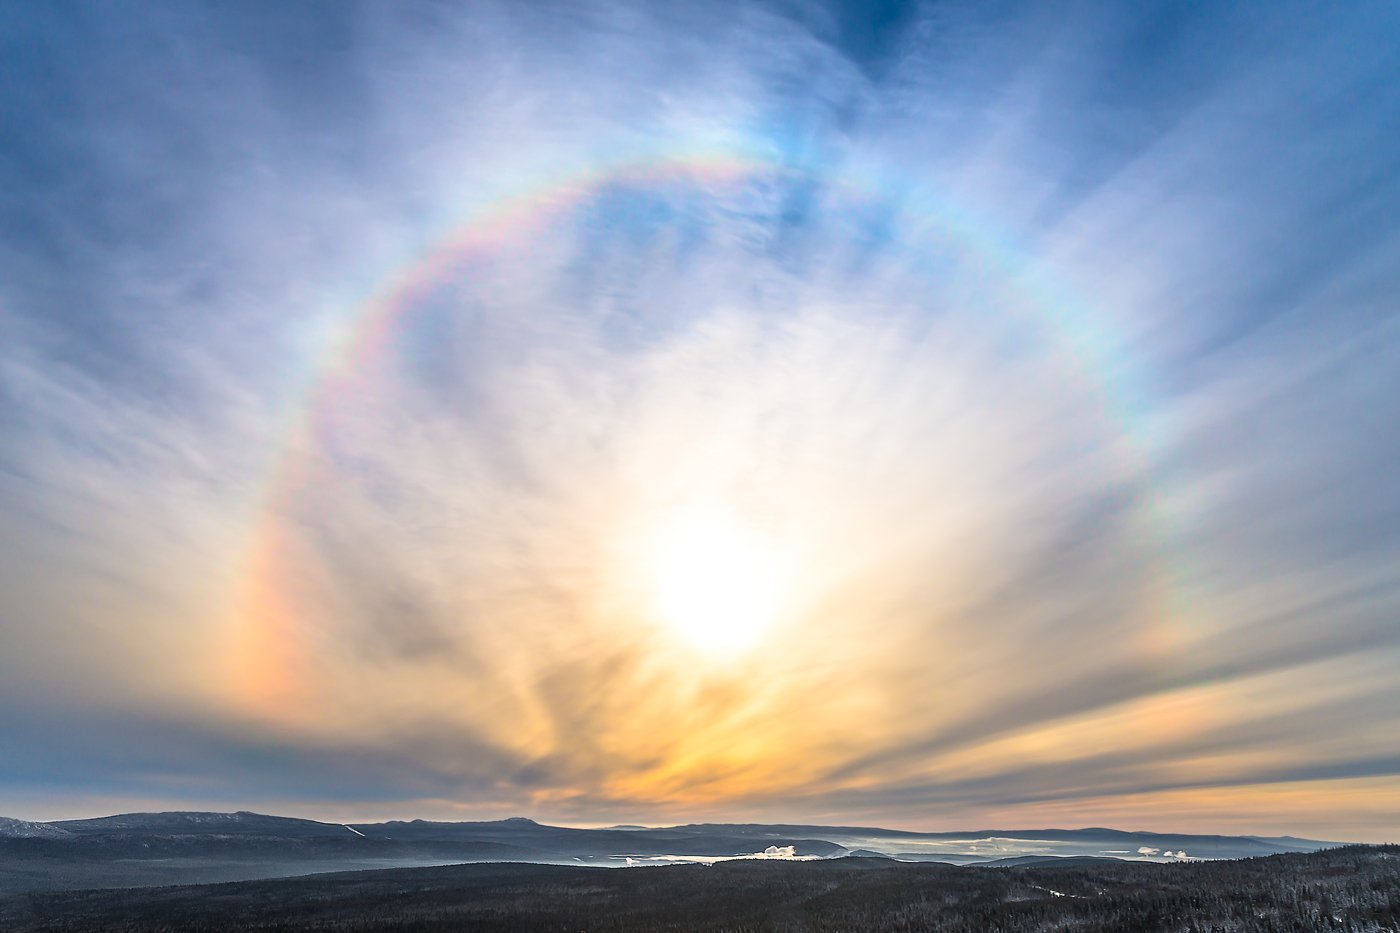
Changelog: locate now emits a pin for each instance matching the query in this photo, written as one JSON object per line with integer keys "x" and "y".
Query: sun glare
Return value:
{"x": 715, "y": 582}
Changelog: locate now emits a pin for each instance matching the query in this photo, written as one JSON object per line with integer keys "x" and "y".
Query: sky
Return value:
{"x": 937, "y": 416}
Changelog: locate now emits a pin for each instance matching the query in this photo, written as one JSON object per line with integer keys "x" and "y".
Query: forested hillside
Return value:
{"x": 1354, "y": 889}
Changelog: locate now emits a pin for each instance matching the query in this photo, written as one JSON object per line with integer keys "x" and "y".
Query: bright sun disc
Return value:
{"x": 714, "y": 583}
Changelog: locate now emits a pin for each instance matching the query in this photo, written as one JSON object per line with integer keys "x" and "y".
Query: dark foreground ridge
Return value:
{"x": 1355, "y": 888}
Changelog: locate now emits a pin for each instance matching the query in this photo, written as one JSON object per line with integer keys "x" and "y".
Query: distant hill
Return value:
{"x": 1060, "y": 861}
{"x": 134, "y": 849}
{"x": 193, "y": 823}
{"x": 23, "y": 829}
{"x": 1356, "y": 888}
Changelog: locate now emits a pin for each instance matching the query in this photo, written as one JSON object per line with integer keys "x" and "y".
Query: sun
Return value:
{"x": 714, "y": 582}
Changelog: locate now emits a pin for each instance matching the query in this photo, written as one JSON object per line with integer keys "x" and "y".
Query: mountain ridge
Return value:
{"x": 1353, "y": 888}
{"x": 196, "y": 846}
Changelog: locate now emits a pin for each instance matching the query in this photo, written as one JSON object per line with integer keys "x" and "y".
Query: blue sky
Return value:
{"x": 923, "y": 414}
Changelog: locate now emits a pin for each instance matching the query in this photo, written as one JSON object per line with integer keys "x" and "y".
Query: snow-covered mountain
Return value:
{"x": 24, "y": 829}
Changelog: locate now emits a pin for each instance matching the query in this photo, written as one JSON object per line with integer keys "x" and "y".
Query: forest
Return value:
{"x": 1351, "y": 888}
